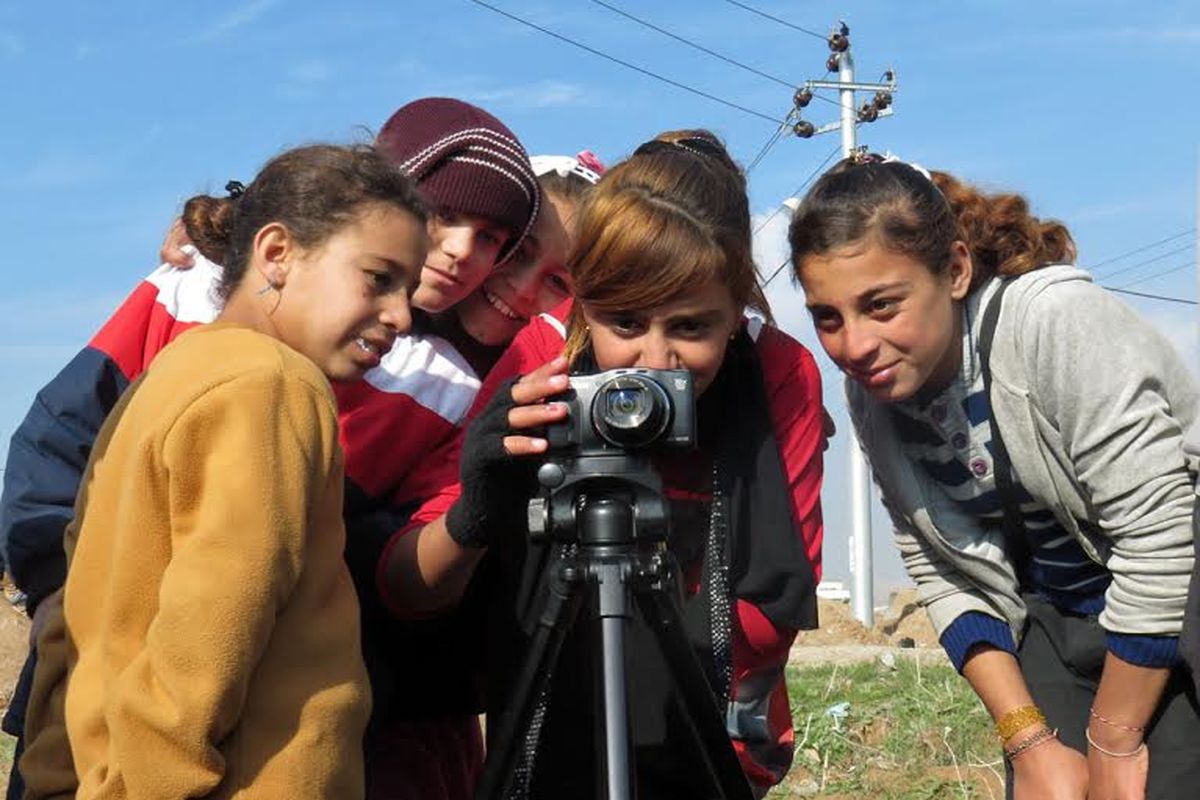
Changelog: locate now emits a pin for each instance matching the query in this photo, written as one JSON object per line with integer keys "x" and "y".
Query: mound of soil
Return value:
{"x": 903, "y": 619}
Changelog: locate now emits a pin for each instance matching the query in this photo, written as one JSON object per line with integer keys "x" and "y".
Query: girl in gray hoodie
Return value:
{"x": 1026, "y": 431}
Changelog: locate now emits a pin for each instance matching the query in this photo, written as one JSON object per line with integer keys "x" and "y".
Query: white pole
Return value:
{"x": 862, "y": 595}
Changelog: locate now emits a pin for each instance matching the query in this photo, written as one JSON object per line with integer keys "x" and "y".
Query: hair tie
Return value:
{"x": 692, "y": 144}
{"x": 590, "y": 160}
{"x": 236, "y": 189}
{"x": 863, "y": 156}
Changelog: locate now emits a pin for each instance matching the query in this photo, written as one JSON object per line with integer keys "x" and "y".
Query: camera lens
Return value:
{"x": 631, "y": 411}
{"x": 625, "y": 403}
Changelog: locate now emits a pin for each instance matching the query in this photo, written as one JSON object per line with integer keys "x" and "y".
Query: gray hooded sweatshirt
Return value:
{"x": 1092, "y": 403}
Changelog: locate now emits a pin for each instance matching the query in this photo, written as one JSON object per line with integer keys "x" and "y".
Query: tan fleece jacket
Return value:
{"x": 208, "y": 633}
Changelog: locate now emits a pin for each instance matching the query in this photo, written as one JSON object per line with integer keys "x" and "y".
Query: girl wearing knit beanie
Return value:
{"x": 476, "y": 175}
{"x": 535, "y": 280}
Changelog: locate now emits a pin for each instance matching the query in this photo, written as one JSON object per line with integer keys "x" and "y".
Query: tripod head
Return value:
{"x": 615, "y": 421}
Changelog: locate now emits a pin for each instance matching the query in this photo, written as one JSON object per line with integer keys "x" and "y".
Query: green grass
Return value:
{"x": 908, "y": 734}
{"x": 7, "y": 744}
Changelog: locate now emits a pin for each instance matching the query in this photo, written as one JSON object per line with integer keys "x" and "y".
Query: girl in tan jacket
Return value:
{"x": 206, "y": 643}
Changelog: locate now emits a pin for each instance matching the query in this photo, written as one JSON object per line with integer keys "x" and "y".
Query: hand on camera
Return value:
{"x": 496, "y": 482}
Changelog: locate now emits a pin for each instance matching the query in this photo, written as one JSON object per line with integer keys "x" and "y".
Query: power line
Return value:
{"x": 795, "y": 192}
{"x": 714, "y": 53}
{"x": 628, "y": 65}
{"x": 777, "y": 19}
{"x": 1151, "y": 296}
{"x": 771, "y": 142}
{"x": 700, "y": 47}
{"x": 1142, "y": 249}
{"x": 1184, "y": 265}
{"x": 1143, "y": 263}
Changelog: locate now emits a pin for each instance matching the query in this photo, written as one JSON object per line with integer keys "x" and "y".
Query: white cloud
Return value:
{"x": 313, "y": 71}
{"x": 543, "y": 94}
{"x": 237, "y": 18}
{"x": 305, "y": 79}
{"x": 1103, "y": 211}
{"x": 83, "y": 51}
{"x": 10, "y": 45}
{"x": 1181, "y": 326}
{"x": 62, "y": 169}
{"x": 1150, "y": 36}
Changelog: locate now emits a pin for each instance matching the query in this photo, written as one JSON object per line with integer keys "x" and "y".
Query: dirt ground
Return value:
{"x": 14, "y": 644}
{"x": 902, "y": 620}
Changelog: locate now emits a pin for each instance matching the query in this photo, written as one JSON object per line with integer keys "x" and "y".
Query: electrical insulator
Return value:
{"x": 831, "y": 63}
{"x": 839, "y": 43}
{"x": 804, "y": 129}
{"x": 889, "y": 76}
{"x": 882, "y": 100}
{"x": 868, "y": 113}
{"x": 802, "y": 97}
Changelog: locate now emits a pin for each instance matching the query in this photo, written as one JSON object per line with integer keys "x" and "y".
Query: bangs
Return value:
{"x": 636, "y": 252}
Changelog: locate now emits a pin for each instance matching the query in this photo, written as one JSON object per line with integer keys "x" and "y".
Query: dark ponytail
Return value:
{"x": 893, "y": 203}
{"x": 313, "y": 191}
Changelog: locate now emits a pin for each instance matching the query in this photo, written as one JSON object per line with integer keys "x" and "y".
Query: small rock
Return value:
{"x": 806, "y": 788}
{"x": 887, "y": 660}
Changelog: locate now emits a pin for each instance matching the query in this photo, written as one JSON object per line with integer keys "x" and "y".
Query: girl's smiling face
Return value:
{"x": 343, "y": 303}
{"x": 886, "y": 319}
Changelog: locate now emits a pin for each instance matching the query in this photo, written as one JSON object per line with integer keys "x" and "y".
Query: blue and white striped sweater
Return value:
{"x": 949, "y": 436}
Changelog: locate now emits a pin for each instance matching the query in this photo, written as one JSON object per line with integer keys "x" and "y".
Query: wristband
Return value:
{"x": 1017, "y": 720}
{"x": 1041, "y": 737}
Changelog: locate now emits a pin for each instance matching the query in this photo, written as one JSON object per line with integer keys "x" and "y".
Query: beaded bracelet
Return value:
{"x": 1110, "y": 723}
{"x": 1017, "y": 720}
{"x": 1041, "y": 737}
{"x": 1112, "y": 753}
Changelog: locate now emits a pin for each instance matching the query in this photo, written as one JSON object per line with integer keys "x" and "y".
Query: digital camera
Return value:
{"x": 626, "y": 409}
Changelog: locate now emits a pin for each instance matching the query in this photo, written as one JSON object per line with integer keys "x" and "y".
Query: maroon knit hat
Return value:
{"x": 465, "y": 160}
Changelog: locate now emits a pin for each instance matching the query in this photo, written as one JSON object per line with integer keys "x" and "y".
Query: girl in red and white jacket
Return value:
{"x": 663, "y": 273}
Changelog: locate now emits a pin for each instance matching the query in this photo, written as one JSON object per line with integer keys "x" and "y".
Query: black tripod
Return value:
{"x": 615, "y": 560}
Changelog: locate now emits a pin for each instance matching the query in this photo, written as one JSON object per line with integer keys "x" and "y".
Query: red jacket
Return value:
{"x": 760, "y": 719}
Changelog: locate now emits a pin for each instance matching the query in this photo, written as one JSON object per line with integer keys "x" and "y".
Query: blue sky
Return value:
{"x": 115, "y": 113}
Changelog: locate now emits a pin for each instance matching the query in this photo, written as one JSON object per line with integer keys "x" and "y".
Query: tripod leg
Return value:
{"x": 558, "y": 615}
{"x": 614, "y": 613}
{"x": 699, "y": 707}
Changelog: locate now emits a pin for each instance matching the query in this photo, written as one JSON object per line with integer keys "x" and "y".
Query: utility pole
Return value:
{"x": 862, "y": 593}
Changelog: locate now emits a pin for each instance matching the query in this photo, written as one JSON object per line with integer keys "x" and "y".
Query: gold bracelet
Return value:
{"x": 1017, "y": 720}
{"x": 1041, "y": 737}
{"x": 1111, "y": 753}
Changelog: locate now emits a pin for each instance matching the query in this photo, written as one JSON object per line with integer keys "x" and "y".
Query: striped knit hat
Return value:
{"x": 466, "y": 161}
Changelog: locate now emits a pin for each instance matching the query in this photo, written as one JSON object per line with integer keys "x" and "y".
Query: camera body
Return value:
{"x": 626, "y": 409}
{"x": 615, "y": 421}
